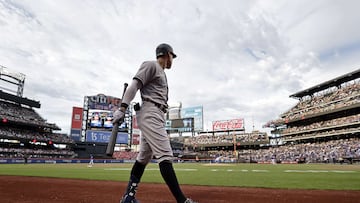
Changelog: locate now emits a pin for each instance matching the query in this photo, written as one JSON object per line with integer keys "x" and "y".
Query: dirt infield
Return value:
{"x": 15, "y": 189}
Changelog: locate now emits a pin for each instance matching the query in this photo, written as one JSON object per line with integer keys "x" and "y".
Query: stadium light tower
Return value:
{"x": 19, "y": 79}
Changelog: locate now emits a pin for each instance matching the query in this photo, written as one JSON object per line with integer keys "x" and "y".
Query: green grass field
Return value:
{"x": 307, "y": 176}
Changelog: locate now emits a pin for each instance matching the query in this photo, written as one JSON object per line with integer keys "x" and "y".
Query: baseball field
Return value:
{"x": 203, "y": 182}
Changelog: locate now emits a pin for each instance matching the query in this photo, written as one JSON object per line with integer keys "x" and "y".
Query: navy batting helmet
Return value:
{"x": 163, "y": 49}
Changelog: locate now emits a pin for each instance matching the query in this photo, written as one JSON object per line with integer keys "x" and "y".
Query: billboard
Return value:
{"x": 135, "y": 139}
{"x": 97, "y": 114}
{"x": 75, "y": 134}
{"x": 76, "y": 119}
{"x": 196, "y": 113}
{"x": 180, "y": 125}
{"x": 224, "y": 125}
{"x": 104, "y": 136}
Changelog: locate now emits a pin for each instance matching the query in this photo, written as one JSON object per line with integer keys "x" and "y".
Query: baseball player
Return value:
{"x": 154, "y": 142}
{"x": 91, "y": 163}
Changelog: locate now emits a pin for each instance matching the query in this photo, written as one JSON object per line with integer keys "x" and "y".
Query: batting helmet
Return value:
{"x": 163, "y": 49}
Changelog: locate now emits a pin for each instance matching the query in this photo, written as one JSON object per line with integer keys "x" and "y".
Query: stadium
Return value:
{"x": 311, "y": 155}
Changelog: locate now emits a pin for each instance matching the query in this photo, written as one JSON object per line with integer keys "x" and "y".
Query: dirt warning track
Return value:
{"x": 17, "y": 189}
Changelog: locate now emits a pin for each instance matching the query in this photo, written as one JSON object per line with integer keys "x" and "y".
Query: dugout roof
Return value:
{"x": 330, "y": 83}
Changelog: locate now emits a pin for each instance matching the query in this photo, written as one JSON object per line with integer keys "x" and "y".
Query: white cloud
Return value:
{"x": 236, "y": 58}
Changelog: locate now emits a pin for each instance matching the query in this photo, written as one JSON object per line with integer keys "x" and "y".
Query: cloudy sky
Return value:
{"x": 238, "y": 59}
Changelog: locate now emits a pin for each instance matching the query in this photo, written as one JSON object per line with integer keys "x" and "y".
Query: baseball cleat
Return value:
{"x": 188, "y": 200}
{"x": 129, "y": 199}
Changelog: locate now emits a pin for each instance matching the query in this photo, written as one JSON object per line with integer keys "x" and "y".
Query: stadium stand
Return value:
{"x": 323, "y": 126}
{"x": 222, "y": 139}
{"x": 125, "y": 155}
{"x": 218, "y": 146}
{"x": 23, "y": 132}
{"x": 332, "y": 151}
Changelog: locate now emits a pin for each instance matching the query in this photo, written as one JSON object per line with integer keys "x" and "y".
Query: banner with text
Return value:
{"x": 104, "y": 136}
{"x": 233, "y": 124}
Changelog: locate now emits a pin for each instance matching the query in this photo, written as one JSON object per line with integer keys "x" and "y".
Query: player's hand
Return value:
{"x": 118, "y": 117}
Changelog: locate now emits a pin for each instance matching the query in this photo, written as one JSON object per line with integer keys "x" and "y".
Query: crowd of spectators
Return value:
{"x": 328, "y": 100}
{"x": 22, "y": 114}
{"x": 125, "y": 155}
{"x": 35, "y": 153}
{"x": 220, "y": 156}
{"x": 37, "y": 140}
{"x": 9, "y": 132}
{"x": 347, "y": 95}
{"x": 333, "y": 123}
{"x": 324, "y": 133}
{"x": 229, "y": 138}
{"x": 32, "y": 143}
{"x": 331, "y": 151}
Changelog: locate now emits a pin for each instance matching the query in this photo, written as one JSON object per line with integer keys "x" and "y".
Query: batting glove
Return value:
{"x": 118, "y": 117}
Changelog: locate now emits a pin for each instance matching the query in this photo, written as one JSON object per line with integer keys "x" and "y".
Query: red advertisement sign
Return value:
{"x": 136, "y": 139}
{"x": 134, "y": 123}
{"x": 76, "y": 118}
{"x": 234, "y": 124}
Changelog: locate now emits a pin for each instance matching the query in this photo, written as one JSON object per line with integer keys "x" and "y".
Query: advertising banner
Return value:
{"x": 134, "y": 123}
{"x": 233, "y": 124}
{"x": 76, "y": 119}
{"x": 104, "y": 136}
{"x": 135, "y": 139}
{"x": 75, "y": 134}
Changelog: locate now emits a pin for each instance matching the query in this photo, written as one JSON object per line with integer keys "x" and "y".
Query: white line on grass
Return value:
{"x": 317, "y": 171}
{"x": 243, "y": 170}
{"x": 148, "y": 169}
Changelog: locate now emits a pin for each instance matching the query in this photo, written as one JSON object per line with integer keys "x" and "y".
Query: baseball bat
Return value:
{"x": 115, "y": 129}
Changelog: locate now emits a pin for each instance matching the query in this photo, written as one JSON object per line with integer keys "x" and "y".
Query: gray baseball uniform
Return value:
{"x": 151, "y": 120}
{"x": 152, "y": 82}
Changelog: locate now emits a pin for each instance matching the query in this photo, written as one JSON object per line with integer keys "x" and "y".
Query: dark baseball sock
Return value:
{"x": 137, "y": 170}
{"x": 168, "y": 173}
{"x": 135, "y": 176}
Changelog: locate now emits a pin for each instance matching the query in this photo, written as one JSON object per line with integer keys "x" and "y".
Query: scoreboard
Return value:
{"x": 97, "y": 118}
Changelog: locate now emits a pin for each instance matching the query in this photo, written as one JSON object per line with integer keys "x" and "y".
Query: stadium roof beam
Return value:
{"x": 330, "y": 83}
{"x": 19, "y": 100}
{"x": 18, "y": 77}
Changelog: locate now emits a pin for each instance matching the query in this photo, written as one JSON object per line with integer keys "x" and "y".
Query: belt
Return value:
{"x": 163, "y": 108}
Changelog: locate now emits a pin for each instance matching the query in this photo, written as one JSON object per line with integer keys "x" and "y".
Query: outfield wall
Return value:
{"x": 104, "y": 161}
{"x": 84, "y": 161}
{"x": 61, "y": 161}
